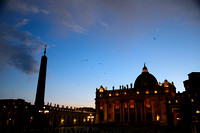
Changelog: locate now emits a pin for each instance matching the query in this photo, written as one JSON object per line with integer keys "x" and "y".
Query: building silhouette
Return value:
{"x": 17, "y": 115}
{"x": 184, "y": 108}
{"x": 149, "y": 104}
{"x": 146, "y": 106}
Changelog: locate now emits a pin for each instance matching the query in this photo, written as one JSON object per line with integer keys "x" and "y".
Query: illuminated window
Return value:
{"x": 166, "y": 90}
{"x": 155, "y": 91}
{"x": 117, "y": 94}
{"x": 147, "y": 92}
{"x": 192, "y": 100}
{"x": 46, "y": 111}
{"x": 157, "y": 117}
{"x": 124, "y": 93}
{"x": 101, "y": 106}
{"x": 176, "y": 101}
{"x": 117, "y": 104}
{"x": 147, "y": 103}
{"x": 84, "y": 120}
{"x": 110, "y": 95}
{"x": 166, "y": 85}
{"x": 125, "y": 105}
{"x": 138, "y": 92}
{"x": 132, "y": 103}
{"x": 74, "y": 120}
{"x": 62, "y": 121}
{"x": 197, "y": 111}
{"x": 101, "y": 90}
{"x": 169, "y": 102}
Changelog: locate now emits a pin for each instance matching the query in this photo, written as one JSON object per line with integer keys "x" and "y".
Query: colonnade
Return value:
{"x": 124, "y": 112}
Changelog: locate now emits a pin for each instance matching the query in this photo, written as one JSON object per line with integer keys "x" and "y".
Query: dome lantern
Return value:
{"x": 144, "y": 68}
{"x": 145, "y": 80}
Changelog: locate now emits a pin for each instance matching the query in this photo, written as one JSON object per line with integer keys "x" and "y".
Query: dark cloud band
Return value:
{"x": 18, "y": 49}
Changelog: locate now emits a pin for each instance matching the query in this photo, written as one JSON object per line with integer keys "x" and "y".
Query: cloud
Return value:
{"x": 26, "y": 6}
{"x": 53, "y": 45}
{"x": 22, "y": 23}
{"x": 80, "y": 16}
{"x": 76, "y": 28}
{"x": 103, "y": 23}
{"x": 44, "y": 11}
{"x": 18, "y": 49}
{"x": 21, "y": 6}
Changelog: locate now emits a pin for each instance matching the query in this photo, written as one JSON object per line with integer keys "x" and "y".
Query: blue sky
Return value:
{"x": 93, "y": 43}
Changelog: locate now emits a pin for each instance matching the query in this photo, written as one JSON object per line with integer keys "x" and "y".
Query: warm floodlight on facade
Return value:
{"x": 157, "y": 117}
{"x": 74, "y": 121}
{"x": 90, "y": 117}
{"x": 197, "y": 111}
{"x": 46, "y": 111}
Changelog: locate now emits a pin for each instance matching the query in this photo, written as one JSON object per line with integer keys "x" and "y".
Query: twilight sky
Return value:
{"x": 93, "y": 43}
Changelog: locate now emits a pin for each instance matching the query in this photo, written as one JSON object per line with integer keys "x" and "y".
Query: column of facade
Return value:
{"x": 141, "y": 110}
{"x": 153, "y": 110}
{"x": 113, "y": 110}
{"x": 105, "y": 112}
{"x": 97, "y": 113}
{"x": 128, "y": 112}
{"x": 135, "y": 110}
{"x": 108, "y": 111}
{"x": 121, "y": 111}
{"x": 163, "y": 114}
{"x": 145, "y": 114}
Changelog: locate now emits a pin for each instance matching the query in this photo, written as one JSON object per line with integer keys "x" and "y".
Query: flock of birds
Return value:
{"x": 86, "y": 60}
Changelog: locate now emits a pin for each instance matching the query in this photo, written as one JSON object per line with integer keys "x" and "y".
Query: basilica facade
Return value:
{"x": 145, "y": 102}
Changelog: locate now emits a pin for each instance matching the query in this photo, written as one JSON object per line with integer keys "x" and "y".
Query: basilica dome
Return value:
{"x": 146, "y": 80}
